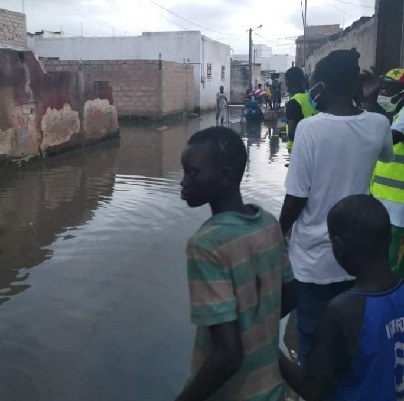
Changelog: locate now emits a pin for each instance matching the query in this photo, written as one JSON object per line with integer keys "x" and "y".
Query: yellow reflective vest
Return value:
{"x": 307, "y": 111}
{"x": 388, "y": 178}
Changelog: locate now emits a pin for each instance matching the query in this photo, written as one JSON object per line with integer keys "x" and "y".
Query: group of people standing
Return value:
{"x": 343, "y": 271}
{"x": 269, "y": 96}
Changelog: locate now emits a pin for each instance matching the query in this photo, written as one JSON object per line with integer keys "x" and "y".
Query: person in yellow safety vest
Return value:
{"x": 388, "y": 180}
{"x": 299, "y": 107}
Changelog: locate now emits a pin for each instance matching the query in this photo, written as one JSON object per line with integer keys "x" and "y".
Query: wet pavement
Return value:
{"x": 93, "y": 295}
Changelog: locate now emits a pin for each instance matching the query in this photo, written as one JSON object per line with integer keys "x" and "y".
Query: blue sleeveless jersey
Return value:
{"x": 380, "y": 352}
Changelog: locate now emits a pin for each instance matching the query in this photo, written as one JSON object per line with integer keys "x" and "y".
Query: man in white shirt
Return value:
{"x": 221, "y": 105}
{"x": 334, "y": 154}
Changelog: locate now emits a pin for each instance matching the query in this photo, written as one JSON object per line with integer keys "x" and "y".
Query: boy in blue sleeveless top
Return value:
{"x": 358, "y": 352}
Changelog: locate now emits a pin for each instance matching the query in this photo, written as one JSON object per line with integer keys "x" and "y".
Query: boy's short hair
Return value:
{"x": 227, "y": 146}
{"x": 363, "y": 222}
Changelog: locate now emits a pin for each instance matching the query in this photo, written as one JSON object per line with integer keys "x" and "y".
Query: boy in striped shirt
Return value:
{"x": 240, "y": 279}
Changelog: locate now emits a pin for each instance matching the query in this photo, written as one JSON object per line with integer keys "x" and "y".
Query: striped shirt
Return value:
{"x": 236, "y": 266}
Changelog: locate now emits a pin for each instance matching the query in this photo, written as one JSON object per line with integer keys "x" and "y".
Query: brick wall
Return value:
{"x": 141, "y": 88}
{"x": 177, "y": 88}
{"x": 13, "y": 29}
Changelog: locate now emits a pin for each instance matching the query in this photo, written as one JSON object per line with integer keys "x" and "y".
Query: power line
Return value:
{"x": 263, "y": 37}
{"x": 189, "y": 21}
{"x": 236, "y": 40}
{"x": 354, "y": 4}
{"x": 164, "y": 16}
{"x": 337, "y": 8}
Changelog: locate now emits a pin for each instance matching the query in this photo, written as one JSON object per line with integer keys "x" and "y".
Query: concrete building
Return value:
{"x": 240, "y": 80}
{"x": 210, "y": 59}
{"x": 360, "y": 35}
{"x": 316, "y": 36}
{"x": 281, "y": 63}
{"x": 263, "y": 55}
{"x": 379, "y": 39}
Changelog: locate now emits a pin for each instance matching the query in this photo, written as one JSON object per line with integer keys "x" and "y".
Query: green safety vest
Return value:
{"x": 388, "y": 178}
{"x": 307, "y": 111}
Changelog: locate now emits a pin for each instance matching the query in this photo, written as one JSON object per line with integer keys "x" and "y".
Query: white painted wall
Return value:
{"x": 281, "y": 62}
{"x": 269, "y": 62}
{"x": 218, "y": 55}
{"x": 173, "y": 46}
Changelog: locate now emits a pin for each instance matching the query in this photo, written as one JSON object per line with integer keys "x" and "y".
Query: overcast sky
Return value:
{"x": 224, "y": 20}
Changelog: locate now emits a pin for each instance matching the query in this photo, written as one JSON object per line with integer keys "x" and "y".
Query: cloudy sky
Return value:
{"x": 224, "y": 20}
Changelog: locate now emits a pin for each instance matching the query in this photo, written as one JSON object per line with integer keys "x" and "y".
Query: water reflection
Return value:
{"x": 104, "y": 313}
{"x": 46, "y": 201}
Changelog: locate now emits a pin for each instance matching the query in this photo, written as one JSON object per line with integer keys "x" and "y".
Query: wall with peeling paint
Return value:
{"x": 141, "y": 88}
{"x": 46, "y": 113}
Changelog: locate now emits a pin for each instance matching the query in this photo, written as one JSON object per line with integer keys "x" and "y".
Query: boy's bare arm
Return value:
{"x": 289, "y": 298}
{"x": 291, "y": 210}
{"x": 221, "y": 364}
{"x": 307, "y": 387}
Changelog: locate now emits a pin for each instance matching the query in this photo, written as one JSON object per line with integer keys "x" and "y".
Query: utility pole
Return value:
{"x": 23, "y": 6}
{"x": 304, "y": 33}
{"x": 250, "y": 60}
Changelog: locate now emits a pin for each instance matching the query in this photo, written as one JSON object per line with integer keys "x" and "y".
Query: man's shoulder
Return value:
{"x": 292, "y": 103}
{"x": 348, "y": 308}
{"x": 372, "y": 117}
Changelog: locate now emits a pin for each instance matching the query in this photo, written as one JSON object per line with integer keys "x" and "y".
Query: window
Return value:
{"x": 209, "y": 72}
{"x": 223, "y": 73}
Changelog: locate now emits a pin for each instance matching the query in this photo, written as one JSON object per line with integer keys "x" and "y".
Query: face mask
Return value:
{"x": 389, "y": 103}
{"x": 314, "y": 93}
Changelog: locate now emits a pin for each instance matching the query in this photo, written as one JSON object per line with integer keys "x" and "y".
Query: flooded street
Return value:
{"x": 94, "y": 301}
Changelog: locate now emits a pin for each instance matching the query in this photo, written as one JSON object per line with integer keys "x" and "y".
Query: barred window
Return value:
{"x": 223, "y": 73}
{"x": 209, "y": 72}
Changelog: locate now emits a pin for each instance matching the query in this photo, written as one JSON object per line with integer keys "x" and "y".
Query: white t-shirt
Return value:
{"x": 396, "y": 209}
{"x": 221, "y": 97}
{"x": 333, "y": 157}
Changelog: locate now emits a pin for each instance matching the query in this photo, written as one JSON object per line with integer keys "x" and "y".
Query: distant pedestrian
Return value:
{"x": 275, "y": 89}
{"x": 259, "y": 94}
{"x": 249, "y": 92}
{"x": 239, "y": 277}
{"x": 221, "y": 105}
{"x": 268, "y": 98}
{"x": 334, "y": 154}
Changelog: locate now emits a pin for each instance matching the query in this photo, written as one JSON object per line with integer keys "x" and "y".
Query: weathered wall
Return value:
{"x": 239, "y": 82}
{"x": 141, "y": 88}
{"x": 46, "y": 113}
{"x": 361, "y": 35}
{"x": 181, "y": 47}
{"x": 13, "y": 30}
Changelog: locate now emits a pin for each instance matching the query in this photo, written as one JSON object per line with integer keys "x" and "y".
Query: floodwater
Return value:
{"x": 93, "y": 295}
